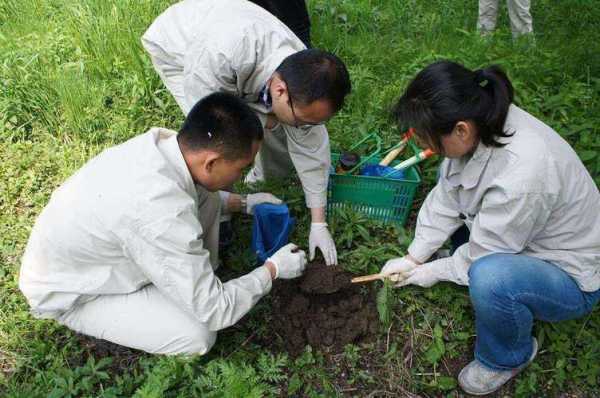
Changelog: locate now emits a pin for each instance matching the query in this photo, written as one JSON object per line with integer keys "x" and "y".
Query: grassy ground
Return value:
{"x": 75, "y": 80}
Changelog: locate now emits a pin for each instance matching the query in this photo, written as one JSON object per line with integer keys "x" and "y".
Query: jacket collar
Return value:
{"x": 466, "y": 171}
{"x": 167, "y": 142}
{"x": 264, "y": 71}
{"x": 264, "y": 98}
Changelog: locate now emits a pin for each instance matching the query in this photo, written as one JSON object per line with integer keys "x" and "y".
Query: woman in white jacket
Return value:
{"x": 531, "y": 208}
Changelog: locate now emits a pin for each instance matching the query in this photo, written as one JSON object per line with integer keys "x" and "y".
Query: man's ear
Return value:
{"x": 211, "y": 158}
{"x": 279, "y": 87}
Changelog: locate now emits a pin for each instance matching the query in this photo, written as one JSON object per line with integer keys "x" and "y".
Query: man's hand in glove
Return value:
{"x": 289, "y": 262}
{"x": 321, "y": 238}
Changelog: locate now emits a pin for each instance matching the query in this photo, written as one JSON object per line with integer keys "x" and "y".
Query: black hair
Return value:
{"x": 221, "y": 122}
{"x": 314, "y": 74}
{"x": 445, "y": 93}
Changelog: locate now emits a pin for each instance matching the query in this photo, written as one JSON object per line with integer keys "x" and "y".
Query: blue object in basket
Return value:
{"x": 375, "y": 170}
{"x": 271, "y": 229}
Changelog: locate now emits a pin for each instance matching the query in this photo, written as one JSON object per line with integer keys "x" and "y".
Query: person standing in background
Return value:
{"x": 519, "y": 13}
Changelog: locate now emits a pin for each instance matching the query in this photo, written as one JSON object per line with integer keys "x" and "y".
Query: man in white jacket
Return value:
{"x": 125, "y": 249}
{"x": 202, "y": 46}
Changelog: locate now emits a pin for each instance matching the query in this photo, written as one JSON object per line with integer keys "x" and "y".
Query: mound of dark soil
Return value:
{"x": 322, "y": 308}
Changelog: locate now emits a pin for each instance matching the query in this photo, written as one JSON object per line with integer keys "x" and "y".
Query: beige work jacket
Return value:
{"x": 235, "y": 46}
{"x": 128, "y": 218}
{"x": 533, "y": 196}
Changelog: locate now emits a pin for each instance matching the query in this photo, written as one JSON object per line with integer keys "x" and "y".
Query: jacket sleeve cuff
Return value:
{"x": 224, "y": 197}
{"x": 264, "y": 277}
{"x": 450, "y": 270}
{"x": 315, "y": 200}
{"x": 421, "y": 251}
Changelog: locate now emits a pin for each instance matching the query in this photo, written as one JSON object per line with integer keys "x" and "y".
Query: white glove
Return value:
{"x": 254, "y": 199}
{"x": 400, "y": 266}
{"x": 424, "y": 275}
{"x": 289, "y": 262}
{"x": 320, "y": 237}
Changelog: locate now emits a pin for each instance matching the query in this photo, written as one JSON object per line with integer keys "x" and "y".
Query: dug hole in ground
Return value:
{"x": 323, "y": 309}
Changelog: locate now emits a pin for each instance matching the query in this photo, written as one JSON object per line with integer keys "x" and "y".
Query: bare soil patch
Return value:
{"x": 323, "y": 309}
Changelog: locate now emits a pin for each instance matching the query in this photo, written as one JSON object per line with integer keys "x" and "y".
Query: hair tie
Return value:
{"x": 480, "y": 78}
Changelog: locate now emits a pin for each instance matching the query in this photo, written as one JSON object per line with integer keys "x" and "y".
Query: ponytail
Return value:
{"x": 494, "y": 82}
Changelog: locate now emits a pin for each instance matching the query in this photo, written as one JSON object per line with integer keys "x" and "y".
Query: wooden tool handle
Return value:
{"x": 394, "y": 153}
{"x": 391, "y": 156}
{"x": 376, "y": 277}
{"x": 367, "y": 278}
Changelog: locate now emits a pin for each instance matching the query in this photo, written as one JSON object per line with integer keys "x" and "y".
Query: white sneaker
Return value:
{"x": 477, "y": 379}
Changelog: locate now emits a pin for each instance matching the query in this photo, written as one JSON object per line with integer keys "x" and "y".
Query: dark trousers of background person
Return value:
{"x": 293, "y": 13}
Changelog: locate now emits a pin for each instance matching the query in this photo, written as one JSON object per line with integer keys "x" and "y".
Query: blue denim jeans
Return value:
{"x": 508, "y": 292}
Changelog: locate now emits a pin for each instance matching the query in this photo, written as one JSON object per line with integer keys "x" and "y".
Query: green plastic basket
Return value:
{"x": 386, "y": 199}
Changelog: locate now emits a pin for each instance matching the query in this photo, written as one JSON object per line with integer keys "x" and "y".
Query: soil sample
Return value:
{"x": 322, "y": 308}
{"x": 321, "y": 279}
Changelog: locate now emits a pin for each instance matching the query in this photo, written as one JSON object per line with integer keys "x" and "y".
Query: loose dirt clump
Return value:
{"x": 321, "y": 279}
{"x": 322, "y": 309}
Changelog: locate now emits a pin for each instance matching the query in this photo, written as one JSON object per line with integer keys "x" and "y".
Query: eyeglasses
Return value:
{"x": 299, "y": 124}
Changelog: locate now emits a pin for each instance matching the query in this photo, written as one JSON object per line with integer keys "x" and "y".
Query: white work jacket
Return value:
{"x": 128, "y": 218}
{"x": 235, "y": 46}
{"x": 533, "y": 196}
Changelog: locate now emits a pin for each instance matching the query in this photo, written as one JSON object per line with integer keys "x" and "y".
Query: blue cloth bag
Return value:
{"x": 375, "y": 170}
{"x": 271, "y": 229}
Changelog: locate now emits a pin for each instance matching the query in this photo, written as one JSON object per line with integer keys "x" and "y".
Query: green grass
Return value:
{"x": 74, "y": 80}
